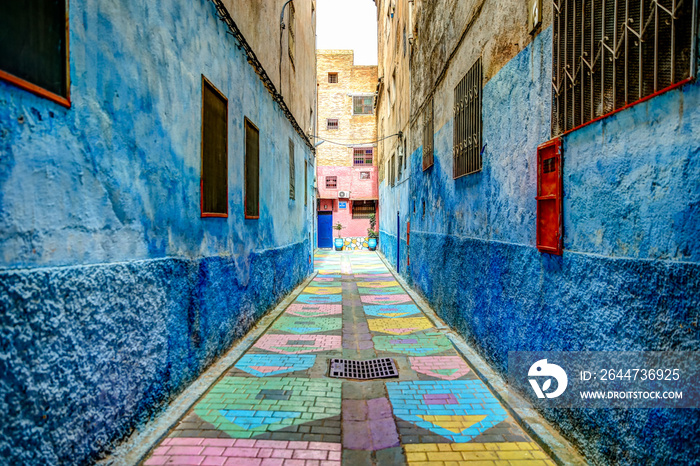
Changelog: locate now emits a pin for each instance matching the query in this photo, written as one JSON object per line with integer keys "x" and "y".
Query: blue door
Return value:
{"x": 325, "y": 229}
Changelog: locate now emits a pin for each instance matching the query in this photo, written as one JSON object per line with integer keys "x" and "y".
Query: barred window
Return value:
{"x": 362, "y": 156}
{"x": 364, "y": 175}
{"x": 332, "y": 123}
{"x": 363, "y": 209}
{"x": 467, "y": 123}
{"x": 611, "y": 53}
{"x": 333, "y": 78}
{"x": 362, "y": 105}
{"x": 331, "y": 182}
{"x": 428, "y": 135}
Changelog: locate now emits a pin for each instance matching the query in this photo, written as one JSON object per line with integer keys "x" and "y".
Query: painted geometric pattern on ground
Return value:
{"x": 320, "y": 299}
{"x": 419, "y": 344}
{"x": 313, "y": 310}
{"x": 291, "y": 344}
{"x": 440, "y": 367}
{"x": 506, "y": 453}
{"x": 381, "y": 291}
{"x": 265, "y": 365}
{"x": 382, "y": 299}
{"x": 223, "y": 451}
{"x": 329, "y": 282}
{"x": 377, "y": 284}
{"x": 239, "y": 406}
{"x": 400, "y": 325}
{"x": 377, "y": 275}
{"x": 400, "y": 310}
{"x": 459, "y": 410}
{"x": 323, "y": 290}
{"x": 301, "y": 325}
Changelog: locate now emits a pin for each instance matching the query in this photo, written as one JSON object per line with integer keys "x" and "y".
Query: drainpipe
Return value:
{"x": 410, "y": 21}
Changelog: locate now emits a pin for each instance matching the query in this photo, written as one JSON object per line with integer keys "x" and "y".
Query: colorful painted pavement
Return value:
{"x": 276, "y": 406}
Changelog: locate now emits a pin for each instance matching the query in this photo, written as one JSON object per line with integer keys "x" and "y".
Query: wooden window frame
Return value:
{"x": 292, "y": 171}
{"x": 362, "y": 105}
{"x": 428, "y": 136}
{"x": 331, "y": 76}
{"x": 246, "y": 122}
{"x": 38, "y": 90}
{"x": 203, "y": 214}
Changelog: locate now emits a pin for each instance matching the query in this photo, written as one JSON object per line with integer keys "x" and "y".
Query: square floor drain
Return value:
{"x": 380, "y": 368}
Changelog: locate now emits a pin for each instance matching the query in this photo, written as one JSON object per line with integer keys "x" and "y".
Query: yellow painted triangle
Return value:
{"x": 454, "y": 424}
{"x": 392, "y": 313}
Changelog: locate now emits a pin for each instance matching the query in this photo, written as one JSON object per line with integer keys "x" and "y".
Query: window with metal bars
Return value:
{"x": 291, "y": 170}
{"x": 608, "y": 54}
{"x": 364, "y": 175}
{"x": 214, "y": 182}
{"x": 362, "y": 105}
{"x": 362, "y": 156}
{"x": 331, "y": 182}
{"x": 332, "y": 123}
{"x": 34, "y": 47}
{"x": 428, "y": 135}
{"x": 467, "y": 123}
{"x": 363, "y": 209}
{"x": 392, "y": 170}
{"x": 333, "y": 78}
{"x": 252, "y": 170}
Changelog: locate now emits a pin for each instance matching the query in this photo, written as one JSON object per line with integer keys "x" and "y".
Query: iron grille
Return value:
{"x": 362, "y": 156}
{"x": 333, "y": 78}
{"x": 428, "y": 135}
{"x": 362, "y": 105}
{"x": 291, "y": 170}
{"x": 467, "y": 123}
{"x": 331, "y": 182}
{"x": 363, "y": 209}
{"x": 610, "y": 53}
{"x": 371, "y": 369}
{"x": 332, "y": 123}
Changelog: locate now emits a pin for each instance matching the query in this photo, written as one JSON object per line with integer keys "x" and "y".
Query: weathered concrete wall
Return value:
{"x": 114, "y": 292}
{"x": 629, "y": 278}
{"x": 259, "y": 21}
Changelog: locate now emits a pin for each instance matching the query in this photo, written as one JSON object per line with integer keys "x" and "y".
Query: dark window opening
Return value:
{"x": 611, "y": 53}
{"x": 291, "y": 170}
{"x": 34, "y": 47}
{"x": 548, "y": 165}
{"x": 331, "y": 182}
{"x": 306, "y": 183}
{"x": 333, "y": 78}
{"x": 252, "y": 170}
{"x": 467, "y": 123}
{"x": 362, "y": 105}
{"x": 362, "y": 156}
{"x": 363, "y": 209}
{"x": 332, "y": 123}
{"x": 214, "y": 181}
{"x": 428, "y": 135}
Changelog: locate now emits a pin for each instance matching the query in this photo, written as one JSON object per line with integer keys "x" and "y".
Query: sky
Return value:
{"x": 348, "y": 24}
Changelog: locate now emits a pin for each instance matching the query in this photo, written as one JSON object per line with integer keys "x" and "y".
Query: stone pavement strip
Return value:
{"x": 276, "y": 406}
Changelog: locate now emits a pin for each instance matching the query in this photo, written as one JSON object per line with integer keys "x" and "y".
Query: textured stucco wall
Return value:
{"x": 114, "y": 293}
{"x": 629, "y": 278}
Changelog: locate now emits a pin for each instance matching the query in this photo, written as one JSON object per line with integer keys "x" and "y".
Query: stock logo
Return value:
{"x": 543, "y": 369}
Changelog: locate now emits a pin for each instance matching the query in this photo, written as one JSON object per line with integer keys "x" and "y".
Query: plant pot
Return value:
{"x": 372, "y": 244}
{"x": 339, "y": 244}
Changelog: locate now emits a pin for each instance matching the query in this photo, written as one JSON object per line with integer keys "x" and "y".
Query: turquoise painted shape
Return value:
{"x": 265, "y": 365}
{"x": 392, "y": 312}
{"x": 389, "y": 290}
{"x": 465, "y": 397}
{"x": 249, "y": 419}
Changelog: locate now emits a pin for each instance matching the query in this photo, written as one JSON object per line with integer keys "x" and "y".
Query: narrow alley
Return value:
{"x": 277, "y": 406}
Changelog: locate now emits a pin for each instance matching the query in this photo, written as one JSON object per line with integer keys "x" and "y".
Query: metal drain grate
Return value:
{"x": 380, "y": 368}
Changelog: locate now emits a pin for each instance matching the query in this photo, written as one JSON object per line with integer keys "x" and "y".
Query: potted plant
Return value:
{"x": 338, "y": 240}
{"x": 372, "y": 235}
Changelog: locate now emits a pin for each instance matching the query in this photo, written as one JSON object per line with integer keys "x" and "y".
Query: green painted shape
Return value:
{"x": 425, "y": 343}
{"x": 303, "y": 325}
{"x": 239, "y": 393}
{"x": 445, "y": 371}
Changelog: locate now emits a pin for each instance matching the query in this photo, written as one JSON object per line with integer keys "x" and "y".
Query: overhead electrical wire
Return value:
{"x": 358, "y": 143}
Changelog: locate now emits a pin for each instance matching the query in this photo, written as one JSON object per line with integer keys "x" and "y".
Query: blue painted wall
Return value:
{"x": 114, "y": 293}
{"x": 629, "y": 278}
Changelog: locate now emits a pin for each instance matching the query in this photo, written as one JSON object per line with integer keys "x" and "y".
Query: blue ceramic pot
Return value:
{"x": 339, "y": 244}
{"x": 372, "y": 243}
